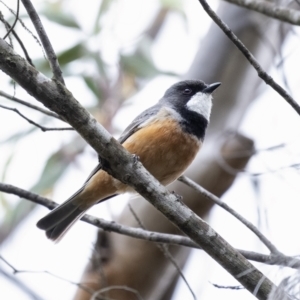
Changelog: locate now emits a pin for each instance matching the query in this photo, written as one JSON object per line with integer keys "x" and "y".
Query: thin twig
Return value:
{"x": 117, "y": 287}
{"x": 249, "y": 56}
{"x": 57, "y": 73}
{"x": 43, "y": 128}
{"x": 15, "y": 22}
{"x": 228, "y": 287}
{"x": 21, "y": 285}
{"x": 270, "y": 9}
{"x": 272, "y": 259}
{"x": 26, "y": 29}
{"x": 164, "y": 249}
{"x": 230, "y": 170}
{"x": 16, "y": 271}
{"x": 18, "y": 40}
{"x": 42, "y": 110}
{"x": 245, "y": 153}
{"x": 7, "y": 27}
{"x": 216, "y": 200}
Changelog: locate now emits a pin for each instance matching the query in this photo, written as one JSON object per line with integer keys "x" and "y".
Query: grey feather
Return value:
{"x": 135, "y": 125}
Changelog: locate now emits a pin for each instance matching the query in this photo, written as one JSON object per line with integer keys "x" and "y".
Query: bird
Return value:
{"x": 165, "y": 137}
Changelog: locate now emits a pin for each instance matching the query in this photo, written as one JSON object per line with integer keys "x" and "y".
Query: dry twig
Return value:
{"x": 43, "y": 128}
{"x": 57, "y": 73}
{"x": 249, "y": 56}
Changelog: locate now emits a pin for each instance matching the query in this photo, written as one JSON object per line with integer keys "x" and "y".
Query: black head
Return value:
{"x": 192, "y": 100}
{"x": 185, "y": 89}
{"x": 194, "y": 95}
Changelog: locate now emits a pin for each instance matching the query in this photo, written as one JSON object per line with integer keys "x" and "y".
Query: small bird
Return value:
{"x": 166, "y": 137}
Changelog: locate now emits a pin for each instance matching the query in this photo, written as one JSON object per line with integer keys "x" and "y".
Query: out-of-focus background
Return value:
{"x": 118, "y": 58}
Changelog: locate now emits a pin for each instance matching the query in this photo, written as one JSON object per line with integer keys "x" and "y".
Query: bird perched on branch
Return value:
{"x": 166, "y": 137}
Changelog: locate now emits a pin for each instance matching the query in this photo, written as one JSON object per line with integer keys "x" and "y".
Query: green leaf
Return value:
{"x": 15, "y": 137}
{"x": 57, "y": 164}
{"x": 3, "y": 201}
{"x": 103, "y": 8}
{"x": 173, "y": 4}
{"x": 76, "y": 52}
{"x": 140, "y": 63}
{"x": 57, "y": 16}
{"x": 93, "y": 86}
{"x": 71, "y": 54}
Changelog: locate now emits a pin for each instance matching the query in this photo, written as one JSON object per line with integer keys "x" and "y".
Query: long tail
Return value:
{"x": 98, "y": 187}
{"x": 62, "y": 218}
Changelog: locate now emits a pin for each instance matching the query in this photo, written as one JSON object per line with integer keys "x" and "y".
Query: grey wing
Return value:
{"x": 133, "y": 127}
{"x": 140, "y": 119}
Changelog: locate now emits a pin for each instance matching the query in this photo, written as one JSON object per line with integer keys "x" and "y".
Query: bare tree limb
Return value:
{"x": 125, "y": 167}
{"x": 151, "y": 236}
{"x": 15, "y": 22}
{"x": 270, "y": 9}
{"x": 17, "y": 37}
{"x": 43, "y": 128}
{"x": 22, "y": 286}
{"x": 40, "y": 109}
{"x": 166, "y": 252}
{"x": 249, "y": 56}
{"x": 17, "y": 271}
{"x": 57, "y": 73}
{"x": 225, "y": 206}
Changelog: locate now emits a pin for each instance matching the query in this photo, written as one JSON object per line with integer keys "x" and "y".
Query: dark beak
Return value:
{"x": 211, "y": 87}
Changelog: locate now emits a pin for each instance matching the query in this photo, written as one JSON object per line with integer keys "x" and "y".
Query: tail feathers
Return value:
{"x": 59, "y": 220}
{"x": 57, "y": 232}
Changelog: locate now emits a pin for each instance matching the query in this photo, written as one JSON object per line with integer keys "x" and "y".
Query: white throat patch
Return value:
{"x": 201, "y": 103}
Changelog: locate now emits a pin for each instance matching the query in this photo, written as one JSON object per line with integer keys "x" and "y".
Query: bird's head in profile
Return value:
{"x": 192, "y": 96}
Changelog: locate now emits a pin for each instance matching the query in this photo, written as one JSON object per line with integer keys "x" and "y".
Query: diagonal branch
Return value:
{"x": 249, "y": 56}
{"x": 225, "y": 206}
{"x": 151, "y": 236}
{"x": 40, "y": 109}
{"x": 270, "y": 9}
{"x": 57, "y": 73}
{"x": 15, "y": 22}
{"x": 17, "y": 271}
{"x": 21, "y": 285}
{"x": 125, "y": 167}
{"x": 43, "y": 128}
{"x": 164, "y": 249}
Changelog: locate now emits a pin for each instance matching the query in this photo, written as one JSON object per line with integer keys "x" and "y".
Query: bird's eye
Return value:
{"x": 187, "y": 91}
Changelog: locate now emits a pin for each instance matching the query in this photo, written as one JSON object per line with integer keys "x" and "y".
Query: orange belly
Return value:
{"x": 164, "y": 150}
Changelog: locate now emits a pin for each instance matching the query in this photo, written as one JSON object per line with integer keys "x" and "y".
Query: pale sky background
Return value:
{"x": 269, "y": 121}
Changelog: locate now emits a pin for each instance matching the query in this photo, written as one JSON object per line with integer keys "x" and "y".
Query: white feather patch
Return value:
{"x": 201, "y": 103}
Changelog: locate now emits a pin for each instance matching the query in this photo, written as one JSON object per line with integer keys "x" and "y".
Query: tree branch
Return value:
{"x": 52, "y": 58}
{"x": 17, "y": 271}
{"x": 249, "y": 56}
{"x": 270, "y": 9}
{"x": 126, "y": 168}
{"x": 164, "y": 249}
{"x": 225, "y": 206}
{"x": 40, "y": 109}
{"x": 15, "y": 22}
{"x": 21, "y": 285}
{"x": 43, "y": 128}
{"x": 151, "y": 236}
